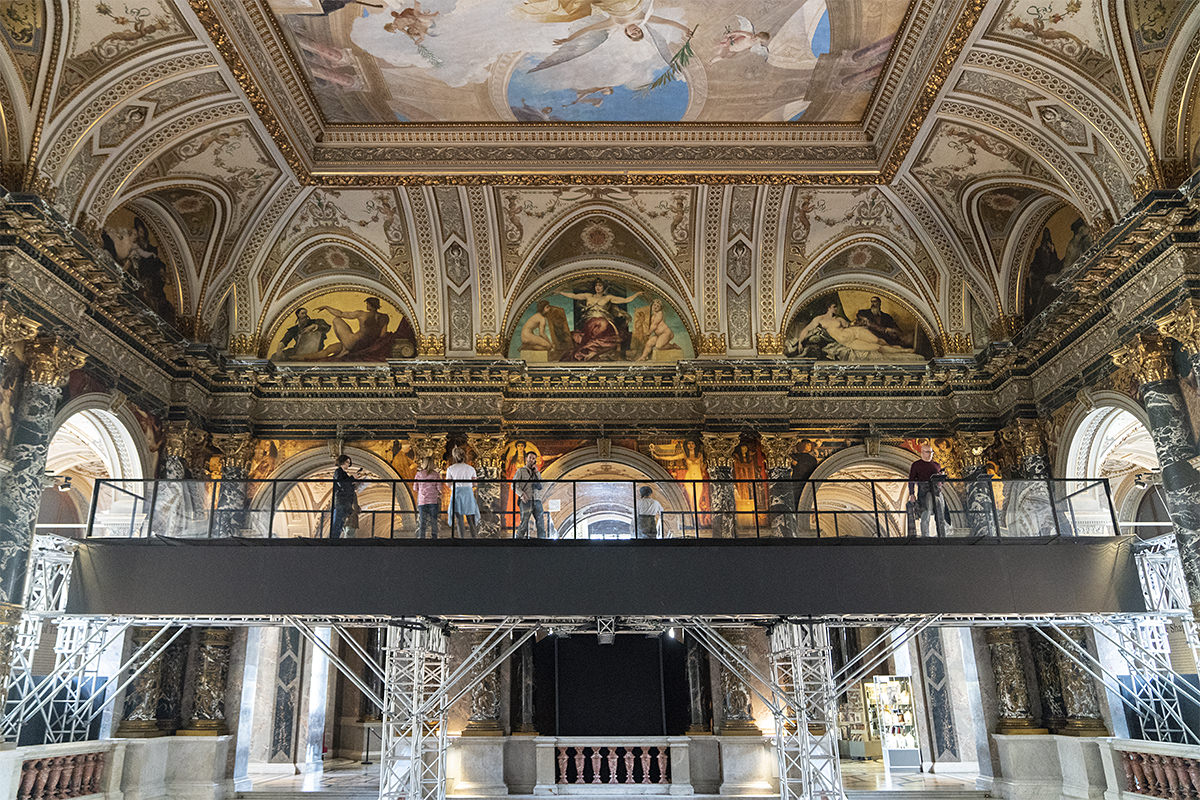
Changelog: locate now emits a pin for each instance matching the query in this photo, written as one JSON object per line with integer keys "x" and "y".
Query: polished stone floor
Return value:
{"x": 348, "y": 779}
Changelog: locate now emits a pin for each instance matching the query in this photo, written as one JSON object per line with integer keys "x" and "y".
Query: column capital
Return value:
{"x": 183, "y": 438}
{"x": 15, "y": 328}
{"x": 970, "y": 447}
{"x": 1027, "y": 437}
{"x": 237, "y": 451}
{"x": 777, "y": 448}
{"x": 1183, "y": 325}
{"x": 51, "y": 360}
{"x": 489, "y": 448}
{"x": 1147, "y": 356}
{"x": 427, "y": 444}
{"x": 719, "y": 447}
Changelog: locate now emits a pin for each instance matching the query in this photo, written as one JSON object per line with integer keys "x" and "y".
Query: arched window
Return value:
{"x": 1111, "y": 442}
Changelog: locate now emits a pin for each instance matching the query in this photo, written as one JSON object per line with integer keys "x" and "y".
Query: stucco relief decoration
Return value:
{"x": 856, "y": 325}
{"x": 590, "y": 60}
{"x": 1066, "y": 28}
{"x": 595, "y": 319}
{"x": 343, "y": 326}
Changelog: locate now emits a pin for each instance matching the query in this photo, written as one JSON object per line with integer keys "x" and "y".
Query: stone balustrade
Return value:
{"x": 62, "y": 777}
{"x": 1158, "y": 774}
{"x": 609, "y": 764}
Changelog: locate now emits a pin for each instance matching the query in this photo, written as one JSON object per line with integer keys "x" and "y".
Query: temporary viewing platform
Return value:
{"x": 816, "y": 548}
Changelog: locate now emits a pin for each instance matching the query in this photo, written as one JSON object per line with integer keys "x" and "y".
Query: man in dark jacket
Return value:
{"x": 344, "y": 496}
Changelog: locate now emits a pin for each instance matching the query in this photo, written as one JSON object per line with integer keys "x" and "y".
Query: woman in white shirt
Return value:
{"x": 461, "y": 476}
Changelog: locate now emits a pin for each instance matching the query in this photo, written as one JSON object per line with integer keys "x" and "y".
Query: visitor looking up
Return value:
{"x": 649, "y": 512}
{"x": 429, "y": 489}
{"x": 921, "y": 481}
{"x": 462, "y": 492}
{"x": 345, "y": 498}
{"x": 527, "y": 483}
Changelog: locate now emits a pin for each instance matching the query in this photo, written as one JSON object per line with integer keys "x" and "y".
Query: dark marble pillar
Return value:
{"x": 368, "y": 711}
{"x": 1150, "y": 359}
{"x": 489, "y": 463}
{"x": 521, "y": 668}
{"x": 179, "y": 505}
{"x": 978, "y": 499}
{"x": 1013, "y": 706}
{"x": 484, "y": 719}
{"x": 1034, "y": 489}
{"x": 173, "y": 667}
{"x": 737, "y": 715}
{"x": 1049, "y": 679}
{"x": 699, "y": 689}
{"x": 210, "y": 683}
{"x": 233, "y": 490}
{"x": 778, "y": 448}
{"x": 139, "y": 718}
{"x": 718, "y": 454}
{"x": 1081, "y": 700}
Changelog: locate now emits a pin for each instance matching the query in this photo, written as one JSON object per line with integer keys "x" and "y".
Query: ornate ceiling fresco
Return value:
{"x": 244, "y": 159}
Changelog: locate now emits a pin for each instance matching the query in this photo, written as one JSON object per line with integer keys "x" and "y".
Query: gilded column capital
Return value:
{"x": 428, "y": 444}
{"x": 183, "y": 439}
{"x": 15, "y": 328}
{"x": 777, "y": 448}
{"x": 237, "y": 452}
{"x": 489, "y": 449}
{"x": 431, "y": 344}
{"x": 719, "y": 447}
{"x": 1006, "y": 326}
{"x": 770, "y": 344}
{"x": 488, "y": 344}
{"x": 1147, "y": 357}
{"x": 1027, "y": 437}
{"x": 956, "y": 344}
{"x": 1183, "y": 325}
{"x": 971, "y": 446}
{"x": 51, "y": 360}
{"x": 712, "y": 344}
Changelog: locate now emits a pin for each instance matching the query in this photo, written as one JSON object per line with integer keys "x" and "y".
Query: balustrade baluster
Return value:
{"x": 1169, "y": 774}
{"x": 43, "y": 776}
{"x": 1182, "y": 781}
{"x": 629, "y": 765}
{"x": 1193, "y": 770}
{"x": 562, "y": 764}
{"x": 645, "y": 764}
{"x": 29, "y": 773}
{"x": 1160, "y": 776}
{"x": 579, "y": 765}
{"x": 88, "y": 785}
{"x": 595, "y": 765}
{"x": 612, "y": 764}
{"x": 56, "y": 768}
{"x": 1131, "y": 784}
{"x": 1141, "y": 772}
{"x": 68, "y": 777}
{"x": 77, "y": 775}
{"x": 663, "y": 777}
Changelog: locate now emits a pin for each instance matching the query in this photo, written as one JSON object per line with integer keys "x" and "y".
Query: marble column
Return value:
{"x": 210, "y": 683}
{"x": 718, "y": 455}
{"x": 1183, "y": 325}
{"x": 1081, "y": 700}
{"x": 1013, "y": 705}
{"x": 237, "y": 453}
{"x": 173, "y": 667}
{"x": 778, "y": 448}
{"x": 177, "y": 502}
{"x": 368, "y": 711}
{"x": 699, "y": 689}
{"x": 980, "y": 503}
{"x": 737, "y": 715}
{"x": 1150, "y": 359}
{"x": 521, "y": 665}
{"x": 1049, "y": 679}
{"x": 489, "y": 463}
{"x": 16, "y": 333}
{"x": 1035, "y": 492}
{"x": 139, "y": 718}
{"x": 485, "y": 698}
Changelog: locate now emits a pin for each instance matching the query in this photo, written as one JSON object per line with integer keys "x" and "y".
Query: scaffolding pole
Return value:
{"x": 806, "y": 739}
{"x": 413, "y": 759}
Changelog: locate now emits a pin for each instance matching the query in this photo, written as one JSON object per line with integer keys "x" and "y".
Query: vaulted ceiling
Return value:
{"x": 954, "y": 157}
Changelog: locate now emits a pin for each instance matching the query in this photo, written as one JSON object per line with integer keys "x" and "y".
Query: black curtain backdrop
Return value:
{"x": 636, "y": 686}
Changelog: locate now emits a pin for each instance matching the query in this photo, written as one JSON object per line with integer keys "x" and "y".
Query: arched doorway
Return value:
{"x": 1114, "y": 442}
{"x": 299, "y": 496}
{"x": 92, "y": 442}
{"x": 592, "y": 495}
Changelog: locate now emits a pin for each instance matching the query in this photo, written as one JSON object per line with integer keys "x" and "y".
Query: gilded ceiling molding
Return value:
{"x": 715, "y": 198}
{"x": 1119, "y": 42}
{"x": 1021, "y": 135}
{"x": 419, "y": 201}
{"x": 12, "y": 114}
{"x": 42, "y": 110}
{"x": 1177, "y": 122}
{"x": 480, "y": 221}
{"x": 768, "y": 258}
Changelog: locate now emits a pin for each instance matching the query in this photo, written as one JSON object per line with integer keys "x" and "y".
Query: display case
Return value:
{"x": 858, "y": 737}
{"x": 890, "y": 712}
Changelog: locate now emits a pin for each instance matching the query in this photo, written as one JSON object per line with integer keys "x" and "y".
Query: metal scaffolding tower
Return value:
{"x": 801, "y": 663}
{"x": 413, "y": 761}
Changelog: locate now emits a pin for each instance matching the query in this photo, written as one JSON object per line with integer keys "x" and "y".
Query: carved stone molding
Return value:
{"x": 51, "y": 360}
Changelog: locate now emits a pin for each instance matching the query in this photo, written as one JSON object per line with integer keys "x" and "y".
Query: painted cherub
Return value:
{"x": 658, "y": 334}
{"x": 742, "y": 39}
{"x": 413, "y": 22}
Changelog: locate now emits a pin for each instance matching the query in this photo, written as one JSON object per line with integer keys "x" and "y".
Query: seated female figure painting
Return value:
{"x": 599, "y": 322}
{"x": 343, "y": 326}
{"x": 855, "y": 325}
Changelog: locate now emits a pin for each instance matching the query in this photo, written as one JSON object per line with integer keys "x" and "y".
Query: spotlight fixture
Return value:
{"x": 63, "y": 484}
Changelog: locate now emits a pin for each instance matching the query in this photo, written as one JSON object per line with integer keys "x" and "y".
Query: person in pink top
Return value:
{"x": 429, "y": 491}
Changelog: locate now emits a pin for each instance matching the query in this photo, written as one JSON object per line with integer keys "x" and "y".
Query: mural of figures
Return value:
{"x": 856, "y": 325}
{"x": 598, "y": 321}
{"x": 343, "y": 325}
{"x": 684, "y": 459}
{"x": 1063, "y": 239}
{"x": 750, "y": 491}
{"x": 128, "y": 239}
{"x": 590, "y": 60}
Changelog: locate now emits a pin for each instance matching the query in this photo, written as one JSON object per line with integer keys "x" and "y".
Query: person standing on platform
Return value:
{"x": 527, "y": 482}
{"x": 345, "y": 496}
{"x": 649, "y": 513}
{"x": 429, "y": 491}
{"x": 922, "y": 484}
{"x": 462, "y": 478}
